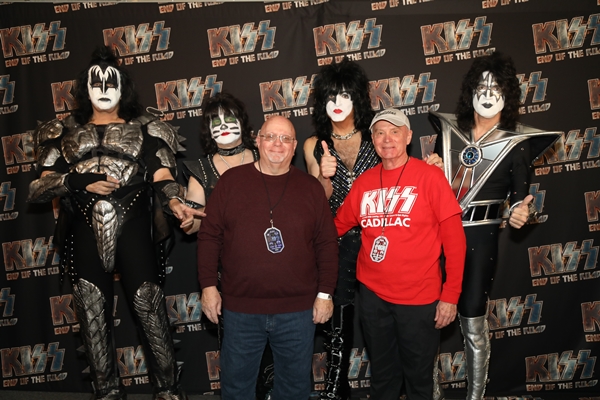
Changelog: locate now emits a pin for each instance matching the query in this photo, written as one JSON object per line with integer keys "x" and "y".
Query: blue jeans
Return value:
{"x": 291, "y": 336}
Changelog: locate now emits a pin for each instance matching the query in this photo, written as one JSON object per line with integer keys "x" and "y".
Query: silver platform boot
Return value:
{"x": 477, "y": 351}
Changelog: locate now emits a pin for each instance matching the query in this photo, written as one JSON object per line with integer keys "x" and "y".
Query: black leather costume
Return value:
{"x": 206, "y": 173}
{"x": 103, "y": 234}
{"x": 340, "y": 331}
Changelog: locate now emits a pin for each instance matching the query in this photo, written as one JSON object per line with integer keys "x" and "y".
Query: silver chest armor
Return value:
{"x": 472, "y": 162}
{"x": 116, "y": 153}
{"x": 123, "y": 139}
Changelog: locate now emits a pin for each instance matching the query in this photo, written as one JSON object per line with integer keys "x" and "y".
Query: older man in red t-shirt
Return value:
{"x": 407, "y": 213}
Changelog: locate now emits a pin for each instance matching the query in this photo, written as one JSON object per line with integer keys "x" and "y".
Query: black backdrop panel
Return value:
{"x": 544, "y": 308}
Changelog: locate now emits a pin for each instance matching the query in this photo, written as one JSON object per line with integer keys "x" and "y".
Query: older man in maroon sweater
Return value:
{"x": 278, "y": 248}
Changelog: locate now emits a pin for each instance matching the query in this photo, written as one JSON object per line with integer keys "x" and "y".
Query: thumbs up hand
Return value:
{"x": 520, "y": 214}
{"x": 328, "y": 164}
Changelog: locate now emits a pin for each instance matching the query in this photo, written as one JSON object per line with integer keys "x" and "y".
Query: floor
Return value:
{"x": 26, "y": 395}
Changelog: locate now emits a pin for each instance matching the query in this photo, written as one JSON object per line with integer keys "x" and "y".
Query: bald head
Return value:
{"x": 276, "y": 143}
{"x": 281, "y": 123}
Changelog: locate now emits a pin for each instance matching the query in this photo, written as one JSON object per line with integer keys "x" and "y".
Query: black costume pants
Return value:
{"x": 480, "y": 263}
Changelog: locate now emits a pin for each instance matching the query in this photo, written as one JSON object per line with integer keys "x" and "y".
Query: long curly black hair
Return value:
{"x": 330, "y": 81}
{"x": 210, "y": 109}
{"x": 129, "y": 105}
{"x": 505, "y": 73}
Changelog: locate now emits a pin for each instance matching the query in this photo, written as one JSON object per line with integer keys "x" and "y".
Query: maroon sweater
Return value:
{"x": 254, "y": 280}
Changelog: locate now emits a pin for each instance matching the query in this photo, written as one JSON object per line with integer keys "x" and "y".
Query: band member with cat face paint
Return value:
{"x": 339, "y": 152}
{"x": 486, "y": 155}
{"x": 225, "y": 127}
{"x": 227, "y": 140}
{"x": 107, "y": 163}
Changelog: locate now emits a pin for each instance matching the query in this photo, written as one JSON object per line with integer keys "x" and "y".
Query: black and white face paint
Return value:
{"x": 338, "y": 107}
{"x": 104, "y": 87}
{"x": 488, "y": 99}
{"x": 225, "y": 128}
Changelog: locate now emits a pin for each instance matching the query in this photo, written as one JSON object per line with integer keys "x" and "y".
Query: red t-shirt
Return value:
{"x": 413, "y": 208}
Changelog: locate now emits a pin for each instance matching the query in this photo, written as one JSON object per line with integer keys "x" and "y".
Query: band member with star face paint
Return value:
{"x": 486, "y": 155}
{"x": 227, "y": 141}
{"x": 339, "y": 152}
{"x": 106, "y": 163}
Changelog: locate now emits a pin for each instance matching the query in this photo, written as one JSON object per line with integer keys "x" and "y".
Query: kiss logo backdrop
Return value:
{"x": 544, "y": 308}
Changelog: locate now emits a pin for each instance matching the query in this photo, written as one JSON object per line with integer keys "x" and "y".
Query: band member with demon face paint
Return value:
{"x": 486, "y": 154}
{"x": 104, "y": 87}
{"x": 227, "y": 141}
{"x": 106, "y": 163}
{"x": 339, "y": 152}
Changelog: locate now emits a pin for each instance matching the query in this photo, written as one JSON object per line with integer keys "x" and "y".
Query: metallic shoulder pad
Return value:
{"x": 167, "y": 133}
{"x": 46, "y": 131}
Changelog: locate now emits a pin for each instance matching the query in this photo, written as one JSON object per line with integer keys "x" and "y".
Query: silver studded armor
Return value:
{"x": 90, "y": 303}
{"x": 115, "y": 152}
{"x": 129, "y": 152}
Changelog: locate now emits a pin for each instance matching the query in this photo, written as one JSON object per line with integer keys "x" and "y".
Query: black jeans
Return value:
{"x": 402, "y": 343}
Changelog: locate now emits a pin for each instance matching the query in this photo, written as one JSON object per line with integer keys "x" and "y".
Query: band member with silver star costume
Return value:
{"x": 112, "y": 166}
{"x": 486, "y": 155}
{"x": 339, "y": 152}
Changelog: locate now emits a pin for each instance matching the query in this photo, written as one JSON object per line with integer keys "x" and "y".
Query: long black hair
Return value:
{"x": 503, "y": 69}
{"x": 129, "y": 105}
{"x": 332, "y": 78}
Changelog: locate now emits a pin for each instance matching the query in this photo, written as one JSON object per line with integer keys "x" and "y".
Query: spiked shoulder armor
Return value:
{"x": 164, "y": 131}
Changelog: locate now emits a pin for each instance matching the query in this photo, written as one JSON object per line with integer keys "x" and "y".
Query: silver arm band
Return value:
{"x": 512, "y": 207}
{"x": 173, "y": 190}
{"x": 531, "y": 209}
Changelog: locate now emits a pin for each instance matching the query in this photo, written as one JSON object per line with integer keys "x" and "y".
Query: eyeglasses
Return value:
{"x": 271, "y": 137}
